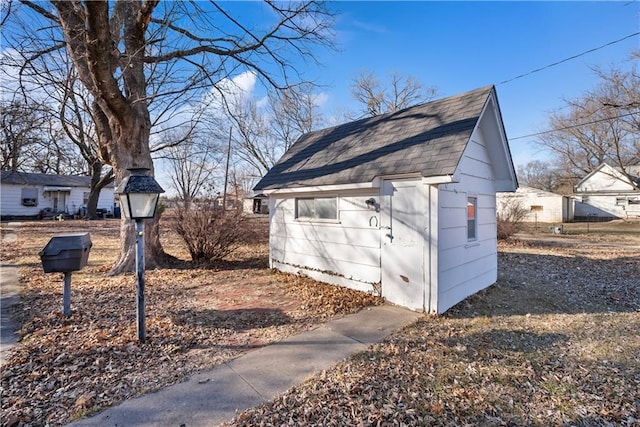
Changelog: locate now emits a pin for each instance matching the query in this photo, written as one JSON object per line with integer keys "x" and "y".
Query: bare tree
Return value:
{"x": 71, "y": 147}
{"x": 22, "y": 126}
{"x": 261, "y": 134}
{"x": 399, "y": 92}
{"x": 599, "y": 127}
{"x": 192, "y": 164}
{"x": 135, "y": 57}
{"x": 78, "y": 125}
{"x": 620, "y": 97}
{"x": 252, "y": 142}
{"x": 540, "y": 175}
{"x": 293, "y": 113}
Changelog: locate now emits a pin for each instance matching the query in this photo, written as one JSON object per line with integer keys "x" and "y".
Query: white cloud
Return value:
{"x": 242, "y": 85}
{"x": 321, "y": 99}
{"x": 246, "y": 82}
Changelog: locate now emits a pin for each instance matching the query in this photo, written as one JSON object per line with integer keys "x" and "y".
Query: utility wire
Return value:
{"x": 574, "y": 126}
{"x": 570, "y": 58}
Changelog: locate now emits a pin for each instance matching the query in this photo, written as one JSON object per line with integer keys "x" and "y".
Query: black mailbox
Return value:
{"x": 66, "y": 252}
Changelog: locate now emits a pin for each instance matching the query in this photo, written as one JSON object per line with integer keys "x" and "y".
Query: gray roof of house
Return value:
{"x": 23, "y": 178}
{"x": 428, "y": 139}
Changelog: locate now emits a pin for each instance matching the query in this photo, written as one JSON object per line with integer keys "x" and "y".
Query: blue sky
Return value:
{"x": 458, "y": 46}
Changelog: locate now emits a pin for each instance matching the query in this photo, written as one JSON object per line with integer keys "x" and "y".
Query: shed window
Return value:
{"x": 29, "y": 197}
{"x": 317, "y": 208}
{"x": 472, "y": 218}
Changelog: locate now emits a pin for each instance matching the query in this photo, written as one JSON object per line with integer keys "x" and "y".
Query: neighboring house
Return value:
{"x": 608, "y": 193}
{"x": 401, "y": 204}
{"x": 27, "y": 194}
{"x": 542, "y": 206}
{"x": 256, "y": 204}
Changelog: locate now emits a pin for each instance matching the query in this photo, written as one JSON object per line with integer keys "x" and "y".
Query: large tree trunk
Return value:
{"x": 98, "y": 182}
{"x": 132, "y": 151}
{"x": 120, "y": 108}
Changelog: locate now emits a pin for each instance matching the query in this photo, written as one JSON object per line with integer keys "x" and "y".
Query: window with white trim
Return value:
{"x": 472, "y": 218}
{"x": 310, "y": 208}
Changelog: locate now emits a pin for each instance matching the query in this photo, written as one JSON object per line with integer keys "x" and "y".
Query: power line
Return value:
{"x": 574, "y": 126}
{"x": 569, "y": 58}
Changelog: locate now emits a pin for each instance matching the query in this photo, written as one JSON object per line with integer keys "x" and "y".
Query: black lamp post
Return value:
{"x": 139, "y": 194}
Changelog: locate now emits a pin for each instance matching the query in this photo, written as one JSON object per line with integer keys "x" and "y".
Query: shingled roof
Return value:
{"x": 23, "y": 178}
{"x": 428, "y": 139}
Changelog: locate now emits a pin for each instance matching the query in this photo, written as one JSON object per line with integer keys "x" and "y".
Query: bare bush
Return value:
{"x": 209, "y": 231}
{"x": 510, "y": 216}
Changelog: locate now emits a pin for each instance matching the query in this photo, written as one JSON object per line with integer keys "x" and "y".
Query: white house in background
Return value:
{"x": 402, "y": 204}
{"x": 542, "y": 206}
{"x": 255, "y": 204}
{"x": 26, "y": 194}
{"x": 608, "y": 193}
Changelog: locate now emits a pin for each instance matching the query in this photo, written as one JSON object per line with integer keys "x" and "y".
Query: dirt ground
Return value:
{"x": 197, "y": 316}
{"x": 554, "y": 342}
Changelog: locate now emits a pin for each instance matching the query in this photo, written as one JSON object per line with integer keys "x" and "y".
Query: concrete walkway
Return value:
{"x": 9, "y": 296}
{"x": 213, "y": 397}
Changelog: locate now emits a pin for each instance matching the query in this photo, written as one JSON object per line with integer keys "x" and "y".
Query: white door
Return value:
{"x": 402, "y": 243}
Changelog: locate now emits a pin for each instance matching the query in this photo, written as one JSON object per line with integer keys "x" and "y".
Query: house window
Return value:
{"x": 85, "y": 198}
{"x": 621, "y": 201}
{"x": 634, "y": 201}
{"x": 472, "y": 218}
{"x": 29, "y": 197}
{"x": 317, "y": 208}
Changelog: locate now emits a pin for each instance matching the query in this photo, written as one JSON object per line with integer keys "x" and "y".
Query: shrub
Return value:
{"x": 510, "y": 216}
{"x": 209, "y": 232}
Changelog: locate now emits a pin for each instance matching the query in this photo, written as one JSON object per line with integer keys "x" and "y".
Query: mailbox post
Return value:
{"x": 139, "y": 195}
{"x": 66, "y": 253}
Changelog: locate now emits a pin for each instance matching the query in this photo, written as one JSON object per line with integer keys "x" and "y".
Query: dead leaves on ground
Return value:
{"x": 66, "y": 368}
{"x": 554, "y": 342}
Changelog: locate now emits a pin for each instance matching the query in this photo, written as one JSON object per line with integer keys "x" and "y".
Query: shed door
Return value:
{"x": 402, "y": 243}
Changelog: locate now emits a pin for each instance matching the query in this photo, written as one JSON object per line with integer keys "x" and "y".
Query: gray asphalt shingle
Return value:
{"x": 23, "y": 178}
{"x": 428, "y": 139}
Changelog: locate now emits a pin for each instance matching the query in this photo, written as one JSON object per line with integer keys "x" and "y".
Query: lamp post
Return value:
{"x": 139, "y": 194}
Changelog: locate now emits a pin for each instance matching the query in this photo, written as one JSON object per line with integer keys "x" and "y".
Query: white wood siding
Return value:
{"x": 607, "y": 205}
{"x": 11, "y": 200}
{"x": 607, "y": 180}
{"x": 465, "y": 267}
{"x": 346, "y": 252}
{"x": 599, "y": 195}
{"x": 554, "y": 206}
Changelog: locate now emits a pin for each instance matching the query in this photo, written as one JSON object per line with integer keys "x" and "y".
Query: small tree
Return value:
{"x": 510, "y": 216}
{"x": 209, "y": 231}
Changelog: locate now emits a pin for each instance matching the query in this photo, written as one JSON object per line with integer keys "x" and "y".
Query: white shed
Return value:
{"x": 542, "y": 206}
{"x": 607, "y": 192}
{"x": 26, "y": 194}
{"x": 402, "y": 204}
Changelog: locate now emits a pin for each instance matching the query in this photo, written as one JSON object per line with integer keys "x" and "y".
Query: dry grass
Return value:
{"x": 197, "y": 317}
{"x": 554, "y": 342}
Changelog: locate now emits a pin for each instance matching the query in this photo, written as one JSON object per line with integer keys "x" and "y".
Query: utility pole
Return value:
{"x": 226, "y": 174}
